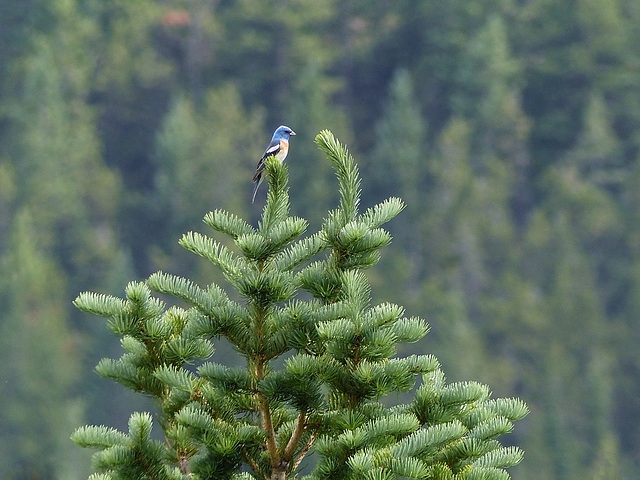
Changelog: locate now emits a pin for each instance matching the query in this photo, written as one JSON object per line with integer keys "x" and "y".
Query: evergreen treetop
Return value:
{"x": 338, "y": 360}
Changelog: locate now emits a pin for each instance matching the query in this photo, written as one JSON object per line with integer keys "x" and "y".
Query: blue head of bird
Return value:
{"x": 282, "y": 132}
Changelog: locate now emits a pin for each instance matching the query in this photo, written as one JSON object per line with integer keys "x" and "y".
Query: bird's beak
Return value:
{"x": 292, "y": 132}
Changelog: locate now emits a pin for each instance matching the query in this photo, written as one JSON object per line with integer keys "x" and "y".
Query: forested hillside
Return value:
{"x": 511, "y": 129}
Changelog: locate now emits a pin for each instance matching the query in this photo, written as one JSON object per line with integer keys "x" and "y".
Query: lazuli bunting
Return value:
{"x": 279, "y": 147}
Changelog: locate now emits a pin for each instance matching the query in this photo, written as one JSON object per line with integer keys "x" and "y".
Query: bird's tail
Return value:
{"x": 255, "y": 189}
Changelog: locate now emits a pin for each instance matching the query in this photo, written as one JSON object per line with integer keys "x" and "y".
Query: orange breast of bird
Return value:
{"x": 284, "y": 149}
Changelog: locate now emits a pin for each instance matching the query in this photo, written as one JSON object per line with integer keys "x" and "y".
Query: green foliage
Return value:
{"x": 327, "y": 396}
{"x": 510, "y": 129}
{"x": 397, "y": 164}
{"x": 135, "y": 454}
{"x": 37, "y": 347}
{"x": 63, "y": 182}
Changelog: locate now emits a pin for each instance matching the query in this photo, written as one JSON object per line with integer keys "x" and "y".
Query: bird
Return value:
{"x": 278, "y": 147}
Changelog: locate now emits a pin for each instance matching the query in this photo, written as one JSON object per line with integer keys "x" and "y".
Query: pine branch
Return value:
{"x": 266, "y": 420}
{"x": 277, "y": 207}
{"x": 98, "y": 436}
{"x": 218, "y": 254}
{"x": 185, "y": 289}
{"x": 99, "y": 304}
{"x": 260, "y": 246}
{"x": 383, "y": 212}
{"x": 303, "y": 452}
{"x": 228, "y": 223}
{"x": 346, "y": 171}
{"x": 501, "y": 458}
{"x": 290, "y": 449}
{"x": 300, "y": 252}
{"x": 254, "y": 465}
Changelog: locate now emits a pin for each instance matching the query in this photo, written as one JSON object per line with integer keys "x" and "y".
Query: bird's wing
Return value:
{"x": 272, "y": 149}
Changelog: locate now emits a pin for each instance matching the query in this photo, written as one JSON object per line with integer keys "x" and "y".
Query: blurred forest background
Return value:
{"x": 511, "y": 128}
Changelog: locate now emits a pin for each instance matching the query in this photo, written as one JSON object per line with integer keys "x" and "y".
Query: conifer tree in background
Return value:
{"x": 336, "y": 364}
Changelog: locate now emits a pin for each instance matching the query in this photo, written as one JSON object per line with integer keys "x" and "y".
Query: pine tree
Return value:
{"x": 39, "y": 355}
{"x": 319, "y": 360}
